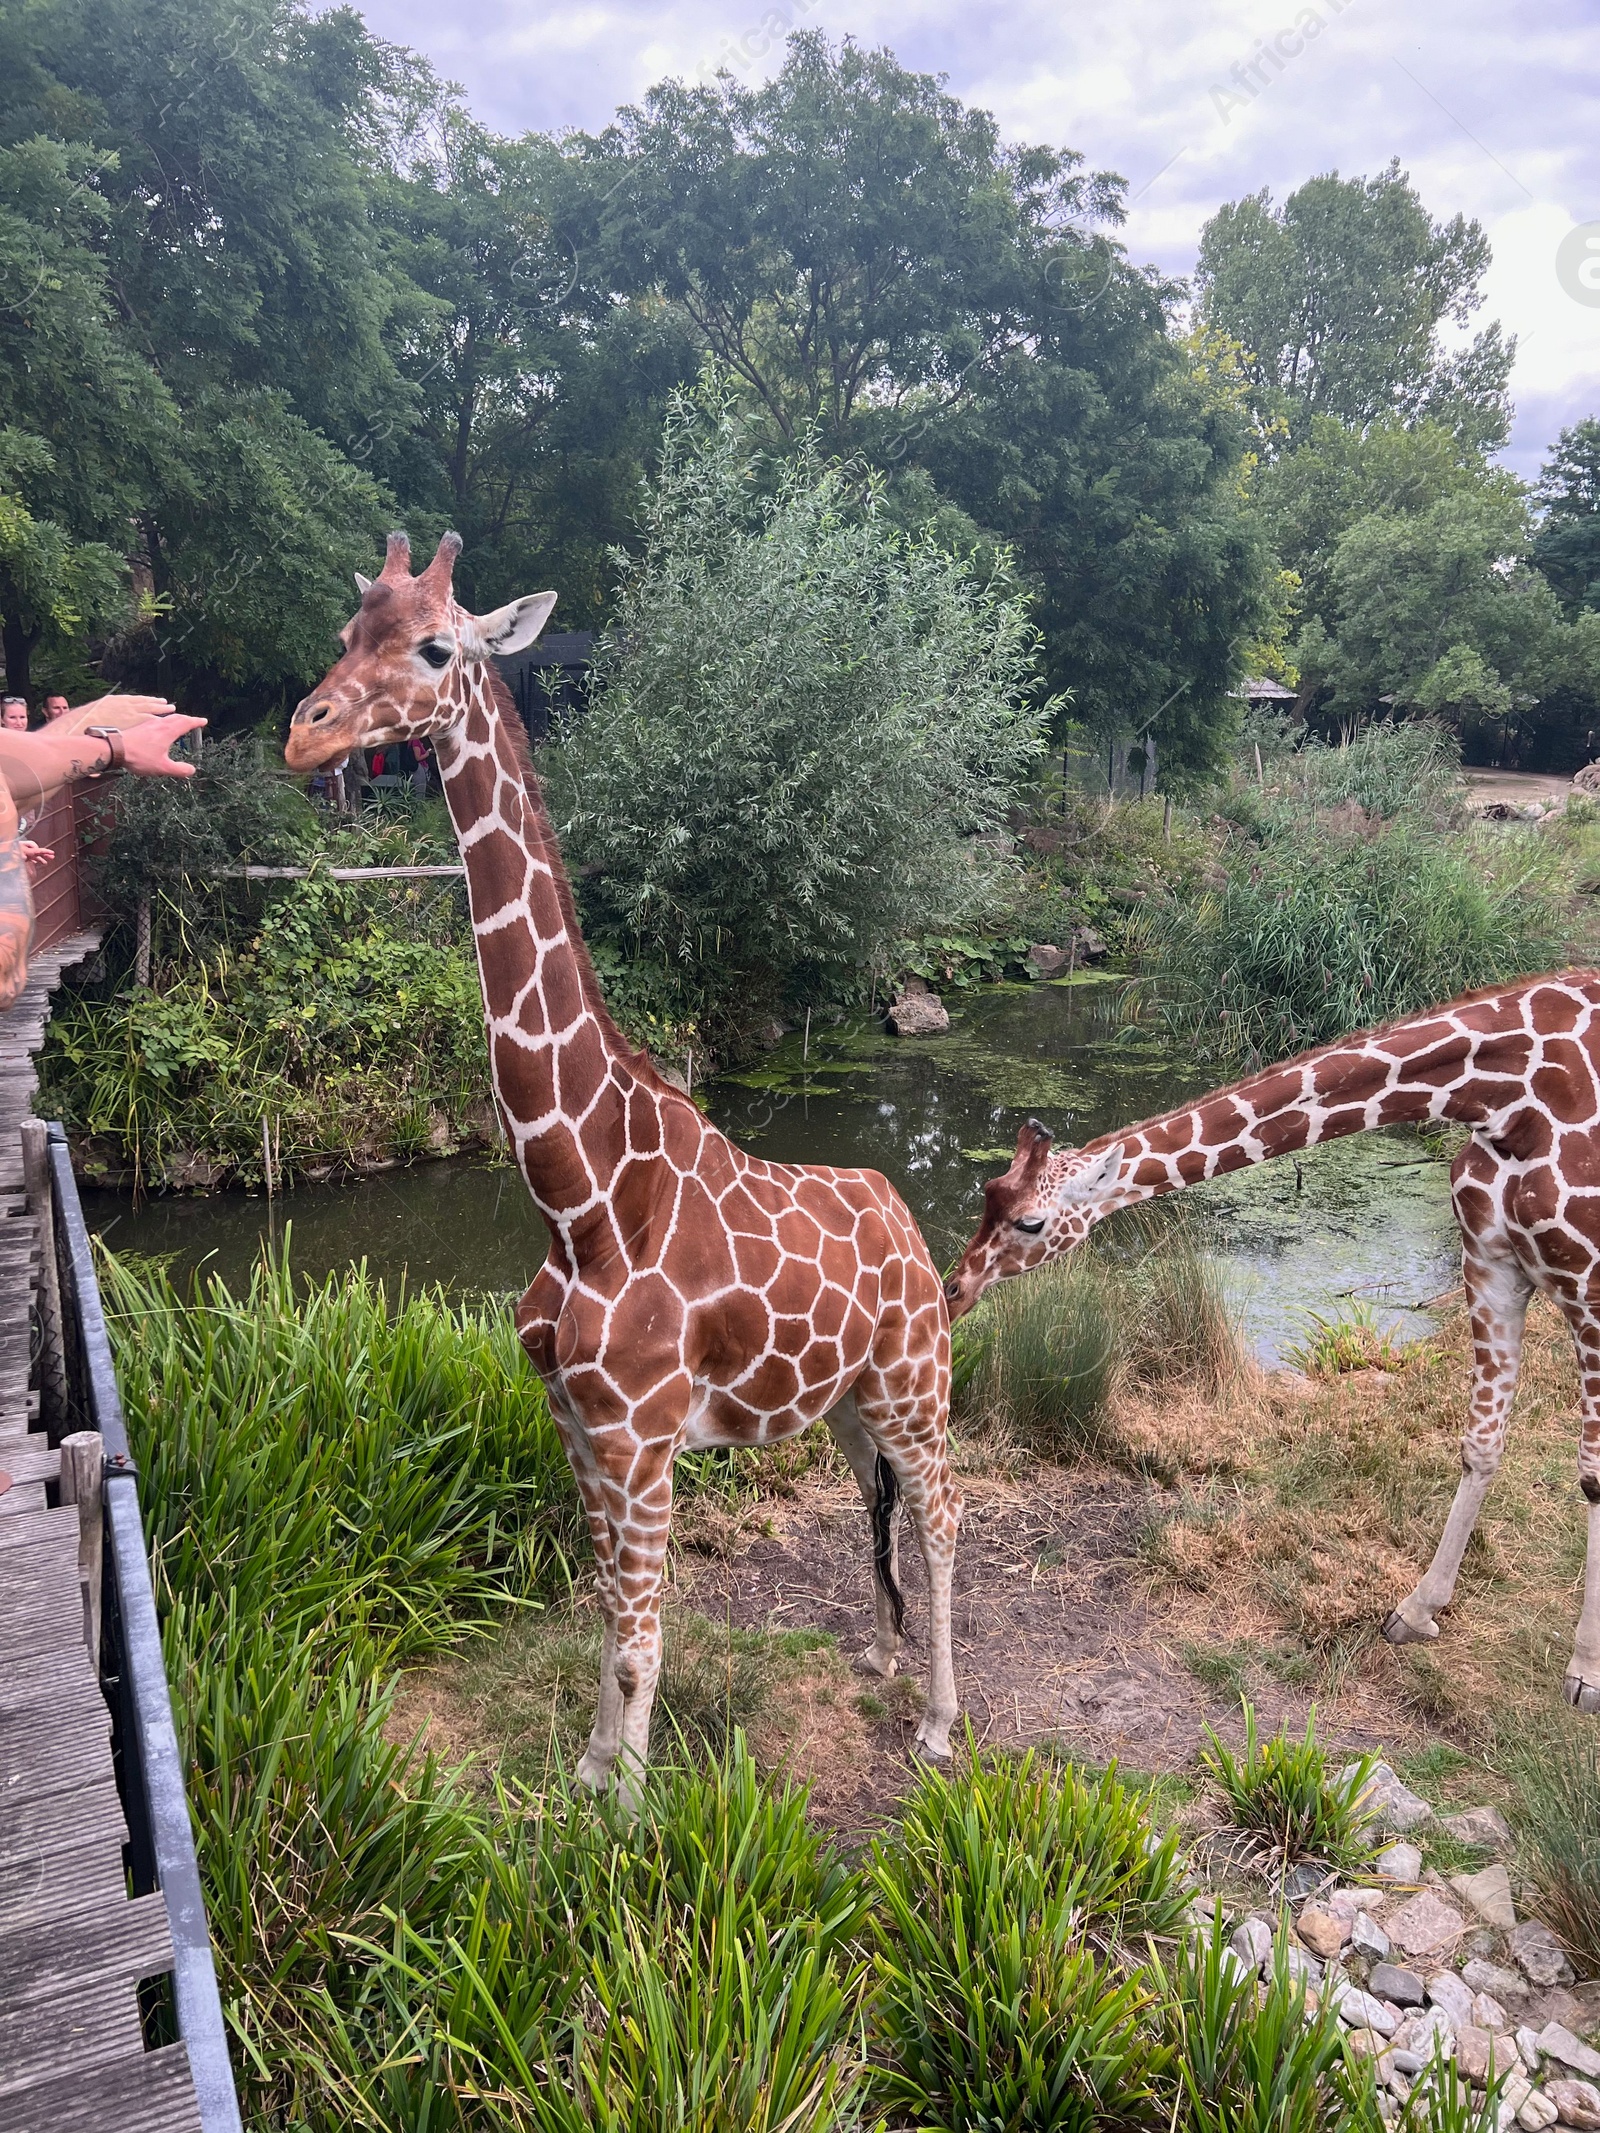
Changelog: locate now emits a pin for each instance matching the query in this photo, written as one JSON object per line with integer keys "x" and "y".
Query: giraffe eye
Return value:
{"x": 437, "y": 655}
{"x": 1032, "y": 1226}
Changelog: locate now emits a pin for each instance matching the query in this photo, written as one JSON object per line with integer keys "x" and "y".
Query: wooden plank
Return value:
{"x": 41, "y": 1529}
{"x": 30, "y": 1826}
{"x": 153, "y": 2094}
{"x": 53, "y": 1882}
{"x": 42, "y": 2043}
{"x": 42, "y": 1962}
{"x": 27, "y": 1496}
{"x": 65, "y": 1679}
{"x": 33, "y": 1462}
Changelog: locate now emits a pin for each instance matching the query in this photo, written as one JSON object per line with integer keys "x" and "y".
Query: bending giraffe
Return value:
{"x": 1520, "y": 1066}
{"x": 692, "y": 1295}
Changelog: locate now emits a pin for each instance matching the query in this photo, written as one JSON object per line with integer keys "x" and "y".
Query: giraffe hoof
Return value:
{"x": 1582, "y": 1695}
{"x": 1399, "y": 1631}
{"x": 933, "y": 1741}
{"x": 593, "y": 1772}
{"x": 882, "y": 1664}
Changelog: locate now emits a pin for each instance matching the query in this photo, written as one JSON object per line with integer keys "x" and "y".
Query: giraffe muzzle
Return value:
{"x": 317, "y": 735}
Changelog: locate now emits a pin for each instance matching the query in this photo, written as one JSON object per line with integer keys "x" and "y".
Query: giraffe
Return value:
{"x": 693, "y": 1295}
{"x": 1520, "y": 1065}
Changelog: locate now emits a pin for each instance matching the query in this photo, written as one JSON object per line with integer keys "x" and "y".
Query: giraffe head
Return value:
{"x": 409, "y": 650}
{"x": 1043, "y": 1206}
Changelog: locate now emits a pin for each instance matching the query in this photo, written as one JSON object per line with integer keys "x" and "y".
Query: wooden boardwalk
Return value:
{"x": 82, "y": 1963}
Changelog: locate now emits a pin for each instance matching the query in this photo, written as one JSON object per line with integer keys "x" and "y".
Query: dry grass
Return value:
{"x": 1306, "y": 1510}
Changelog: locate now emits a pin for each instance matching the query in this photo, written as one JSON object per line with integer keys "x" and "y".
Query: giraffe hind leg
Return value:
{"x": 1497, "y": 1301}
{"x": 1581, "y": 1686}
{"x": 875, "y": 1479}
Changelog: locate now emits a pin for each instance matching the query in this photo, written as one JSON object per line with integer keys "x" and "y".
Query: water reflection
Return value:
{"x": 1368, "y": 1217}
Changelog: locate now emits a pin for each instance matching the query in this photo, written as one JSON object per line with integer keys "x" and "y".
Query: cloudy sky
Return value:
{"x": 1492, "y": 108}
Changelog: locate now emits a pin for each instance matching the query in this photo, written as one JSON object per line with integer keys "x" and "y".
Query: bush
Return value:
{"x": 1560, "y": 1833}
{"x": 1139, "y": 1304}
{"x": 1282, "y": 1791}
{"x": 994, "y": 2002}
{"x": 799, "y": 725}
{"x": 1401, "y": 767}
{"x": 1315, "y": 935}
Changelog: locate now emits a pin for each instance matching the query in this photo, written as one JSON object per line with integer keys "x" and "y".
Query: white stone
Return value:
{"x": 1445, "y": 1990}
{"x": 1483, "y": 1826}
{"x": 1539, "y": 1955}
{"x": 1536, "y": 2111}
{"x": 1489, "y": 1893}
{"x": 1494, "y": 1978}
{"x": 1395, "y": 1809}
{"x": 1368, "y": 1938}
{"x": 1558, "y": 2043}
{"x": 1577, "y": 2101}
{"x": 1362, "y": 2011}
{"x": 1487, "y": 2013}
{"x": 1401, "y": 1862}
{"x": 1252, "y": 1943}
{"x": 1528, "y": 2048}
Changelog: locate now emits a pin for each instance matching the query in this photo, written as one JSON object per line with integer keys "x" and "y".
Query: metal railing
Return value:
{"x": 132, "y": 1669}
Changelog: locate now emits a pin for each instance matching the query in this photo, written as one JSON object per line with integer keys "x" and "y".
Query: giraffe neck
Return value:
{"x": 561, "y": 1071}
{"x": 1464, "y": 1063}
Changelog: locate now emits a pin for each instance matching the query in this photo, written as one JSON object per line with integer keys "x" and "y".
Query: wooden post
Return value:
{"x": 83, "y": 1464}
{"x": 266, "y": 1154}
{"x": 1260, "y": 774}
{"x": 53, "y": 1401}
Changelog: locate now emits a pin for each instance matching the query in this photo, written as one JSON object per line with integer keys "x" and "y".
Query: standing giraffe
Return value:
{"x": 1518, "y": 1064}
{"x": 693, "y": 1295}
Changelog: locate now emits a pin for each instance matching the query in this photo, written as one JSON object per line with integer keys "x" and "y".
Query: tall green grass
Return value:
{"x": 1317, "y": 932}
{"x": 1560, "y": 1838}
{"x": 1140, "y": 1304}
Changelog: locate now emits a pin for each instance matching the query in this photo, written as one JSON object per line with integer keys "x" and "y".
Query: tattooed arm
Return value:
{"x": 34, "y": 765}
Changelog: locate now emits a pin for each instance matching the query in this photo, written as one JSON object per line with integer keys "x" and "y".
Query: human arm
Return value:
{"x": 16, "y": 905}
{"x": 34, "y": 765}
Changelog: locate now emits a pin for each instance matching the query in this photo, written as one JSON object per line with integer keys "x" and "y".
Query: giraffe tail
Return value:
{"x": 882, "y": 1540}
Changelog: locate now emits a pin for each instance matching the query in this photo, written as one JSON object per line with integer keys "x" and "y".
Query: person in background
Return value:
{"x": 419, "y": 771}
{"x": 55, "y": 706}
{"x": 132, "y": 733}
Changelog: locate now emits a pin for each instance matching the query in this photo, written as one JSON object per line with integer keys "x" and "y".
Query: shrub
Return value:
{"x": 799, "y": 725}
{"x": 1350, "y": 1339}
{"x": 1139, "y": 1304}
{"x": 1408, "y": 766}
{"x": 1317, "y": 935}
{"x": 1282, "y": 1791}
{"x": 1560, "y": 1833}
{"x": 994, "y": 2002}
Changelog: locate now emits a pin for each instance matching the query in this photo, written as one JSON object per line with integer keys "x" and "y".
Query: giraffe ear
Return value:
{"x": 510, "y": 628}
{"x": 363, "y": 585}
{"x": 1093, "y": 1181}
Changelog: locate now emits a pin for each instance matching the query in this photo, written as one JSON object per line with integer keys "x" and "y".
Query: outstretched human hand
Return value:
{"x": 145, "y": 747}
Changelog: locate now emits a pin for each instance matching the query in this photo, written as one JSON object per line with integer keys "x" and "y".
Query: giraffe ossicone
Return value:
{"x": 693, "y": 1295}
{"x": 1519, "y": 1065}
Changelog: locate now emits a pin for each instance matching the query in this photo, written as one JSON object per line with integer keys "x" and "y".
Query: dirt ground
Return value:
{"x": 1514, "y": 788}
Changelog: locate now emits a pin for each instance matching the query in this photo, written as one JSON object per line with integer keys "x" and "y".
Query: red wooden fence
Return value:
{"x": 62, "y": 901}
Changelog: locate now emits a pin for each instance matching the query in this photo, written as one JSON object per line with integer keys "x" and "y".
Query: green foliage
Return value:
{"x": 800, "y": 724}
{"x": 1317, "y": 933}
{"x": 1282, "y": 1791}
{"x": 1567, "y": 544}
{"x": 1400, "y": 767}
{"x": 1243, "y": 2060}
{"x": 994, "y": 2003}
{"x": 1559, "y": 1833}
{"x": 1340, "y": 296}
{"x": 1043, "y": 1355}
{"x": 1349, "y": 1339}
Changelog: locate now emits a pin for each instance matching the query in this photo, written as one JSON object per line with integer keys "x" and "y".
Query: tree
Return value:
{"x": 864, "y": 253}
{"x": 1340, "y": 295}
{"x": 1567, "y": 544}
{"x": 803, "y": 720}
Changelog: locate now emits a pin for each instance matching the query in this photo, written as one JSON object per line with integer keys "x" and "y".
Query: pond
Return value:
{"x": 1367, "y": 1218}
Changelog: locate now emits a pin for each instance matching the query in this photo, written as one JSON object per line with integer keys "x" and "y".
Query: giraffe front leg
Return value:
{"x": 1582, "y": 1684}
{"x": 641, "y": 1515}
{"x": 605, "y": 1736}
{"x": 1497, "y": 1299}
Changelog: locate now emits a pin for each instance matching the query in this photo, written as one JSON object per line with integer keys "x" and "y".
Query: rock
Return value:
{"x": 1483, "y": 1826}
{"x": 1401, "y": 1862}
{"x": 1528, "y": 2048}
{"x": 1539, "y": 1955}
{"x": 1362, "y": 2011}
{"x": 1424, "y": 1925}
{"x": 1410, "y": 2063}
{"x": 1390, "y": 1982}
{"x": 1368, "y": 1938}
{"x": 1536, "y": 2111}
{"x": 1487, "y": 2013}
{"x": 1301, "y": 1882}
{"x": 1588, "y": 778}
{"x": 1252, "y": 1943}
{"x": 1446, "y": 1990}
{"x": 1512, "y": 2098}
{"x": 1303, "y": 1966}
{"x": 1394, "y": 1808}
{"x": 918, "y": 1013}
{"x": 1489, "y": 1893}
{"x": 1480, "y": 2054}
{"x": 1576, "y": 2102}
{"x": 1323, "y": 1933}
{"x": 1427, "y": 2033}
{"x": 769, "y": 1034}
{"x": 1494, "y": 1978}
{"x": 1569, "y": 2051}
{"x": 1087, "y": 946}
{"x": 1366, "y": 2044}
{"x": 1047, "y": 960}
